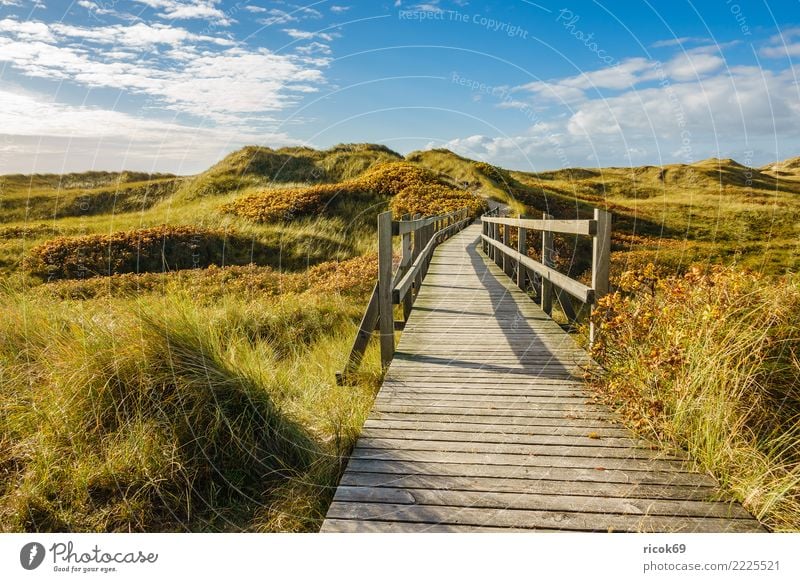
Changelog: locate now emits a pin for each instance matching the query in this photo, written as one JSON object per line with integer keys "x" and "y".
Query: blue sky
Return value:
{"x": 173, "y": 85}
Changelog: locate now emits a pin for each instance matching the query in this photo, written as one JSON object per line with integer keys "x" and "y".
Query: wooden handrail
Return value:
{"x": 419, "y": 238}
{"x": 496, "y": 237}
{"x": 585, "y": 227}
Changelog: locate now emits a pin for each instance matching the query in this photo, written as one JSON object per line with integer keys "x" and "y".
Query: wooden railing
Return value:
{"x": 419, "y": 237}
{"x": 543, "y": 276}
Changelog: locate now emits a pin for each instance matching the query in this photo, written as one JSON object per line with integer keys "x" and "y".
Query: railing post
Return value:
{"x": 601, "y": 260}
{"x": 498, "y": 254}
{"x": 385, "y": 284}
{"x": 547, "y": 260}
{"x": 418, "y": 246}
{"x": 507, "y": 266}
{"x": 405, "y": 263}
{"x": 522, "y": 248}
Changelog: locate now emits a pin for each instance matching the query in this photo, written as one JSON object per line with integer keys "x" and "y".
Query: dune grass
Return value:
{"x": 710, "y": 363}
{"x": 163, "y": 413}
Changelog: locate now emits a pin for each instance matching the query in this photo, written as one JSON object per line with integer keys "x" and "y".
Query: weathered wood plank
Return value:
{"x": 585, "y": 227}
{"x": 511, "y": 517}
{"x": 536, "y": 501}
{"x": 589, "y": 450}
{"x": 600, "y": 429}
{"x": 376, "y": 526}
{"x": 651, "y": 477}
{"x": 532, "y": 486}
{"x": 467, "y": 437}
{"x": 597, "y": 463}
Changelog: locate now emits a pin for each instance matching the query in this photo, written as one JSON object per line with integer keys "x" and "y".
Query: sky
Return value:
{"x": 174, "y": 85}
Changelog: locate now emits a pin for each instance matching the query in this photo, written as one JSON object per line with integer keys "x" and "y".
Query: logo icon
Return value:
{"x": 31, "y": 555}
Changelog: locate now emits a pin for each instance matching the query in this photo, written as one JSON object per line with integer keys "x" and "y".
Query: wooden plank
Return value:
{"x": 508, "y": 431}
{"x": 510, "y": 517}
{"x": 584, "y": 227}
{"x": 601, "y": 260}
{"x": 520, "y": 460}
{"x": 543, "y": 418}
{"x": 377, "y": 526}
{"x": 536, "y": 501}
{"x": 522, "y": 248}
{"x": 589, "y": 450}
{"x": 368, "y": 323}
{"x": 652, "y": 477}
{"x": 531, "y": 486}
{"x": 546, "y": 298}
{"x": 484, "y": 437}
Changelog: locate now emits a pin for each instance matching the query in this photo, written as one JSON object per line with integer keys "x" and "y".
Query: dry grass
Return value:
{"x": 710, "y": 362}
{"x": 168, "y": 414}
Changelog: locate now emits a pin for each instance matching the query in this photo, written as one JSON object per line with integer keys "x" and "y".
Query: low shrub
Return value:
{"x": 433, "y": 199}
{"x": 710, "y": 362}
{"x": 388, "y": 179}
{"x": 160, "y": 248}
{"x": 350, "y": 277}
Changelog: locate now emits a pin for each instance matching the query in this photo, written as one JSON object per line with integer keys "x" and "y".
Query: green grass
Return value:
{"x": 710, "y": 363}
{"x": 164, "y": 413}
{"x": 714, "y": 211}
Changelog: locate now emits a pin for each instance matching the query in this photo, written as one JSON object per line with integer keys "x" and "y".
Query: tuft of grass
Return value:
{"x": 166, "y": 414}
{"x": 710, "y": 362}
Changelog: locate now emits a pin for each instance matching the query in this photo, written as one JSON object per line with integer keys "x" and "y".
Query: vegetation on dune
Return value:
{"x": 714, "y": 211}
{"x": 430, "y": 200}
{"x": 352, "y": 277}
{"x": 82, "y": 180}
{"x": 164, "y": 248}
{"x": 286, "y": 204}
{"x": 466, "y": 174}
{"x": 43, "y": 204}
{"x": 167, "y": 415}
{"x": 262, "y": 167}
{"x": 414, "y": 189}
{"x": 710, "y": 362}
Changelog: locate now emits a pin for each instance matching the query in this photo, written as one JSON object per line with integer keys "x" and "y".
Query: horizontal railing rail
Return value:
{"x": 516, "y": 263}
{"x": 419, "y": 237}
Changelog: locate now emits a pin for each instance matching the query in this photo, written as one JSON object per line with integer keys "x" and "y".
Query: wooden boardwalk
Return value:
{"x": 482, "y": 424}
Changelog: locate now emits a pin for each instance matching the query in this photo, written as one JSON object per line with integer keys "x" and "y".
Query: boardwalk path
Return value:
{"x": 481, "y": 424}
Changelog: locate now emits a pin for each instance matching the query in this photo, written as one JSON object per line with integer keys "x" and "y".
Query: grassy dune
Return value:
{"x": 185, "y": 382}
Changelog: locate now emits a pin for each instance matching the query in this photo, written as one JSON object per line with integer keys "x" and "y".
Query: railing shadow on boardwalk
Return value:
{"x": 504, "y": 308}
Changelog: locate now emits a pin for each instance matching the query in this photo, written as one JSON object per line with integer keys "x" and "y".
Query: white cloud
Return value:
{"x": 307, "y": 35}
{"x": 625, "y": 75}
{"x": 46, "y": 136}
{"x": 255, "y": 9}
{"x": 219, "y": 85}
{"x": 296, "y": 14}
{"x": 680, "y": 41}
{"x": 690, "y": 109}
{"x": 315, "y": 48}
{"x": 94, "y": 7}
{"x": 339, "y": 9}
{"x": 692, "y": 65}
{"x": 189, "y": 10}
{"x": 432, "y": 6}
{"x": 139, "y": 35}
{"x": 29, "y": 31}
{"x": 783, "y": 45}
